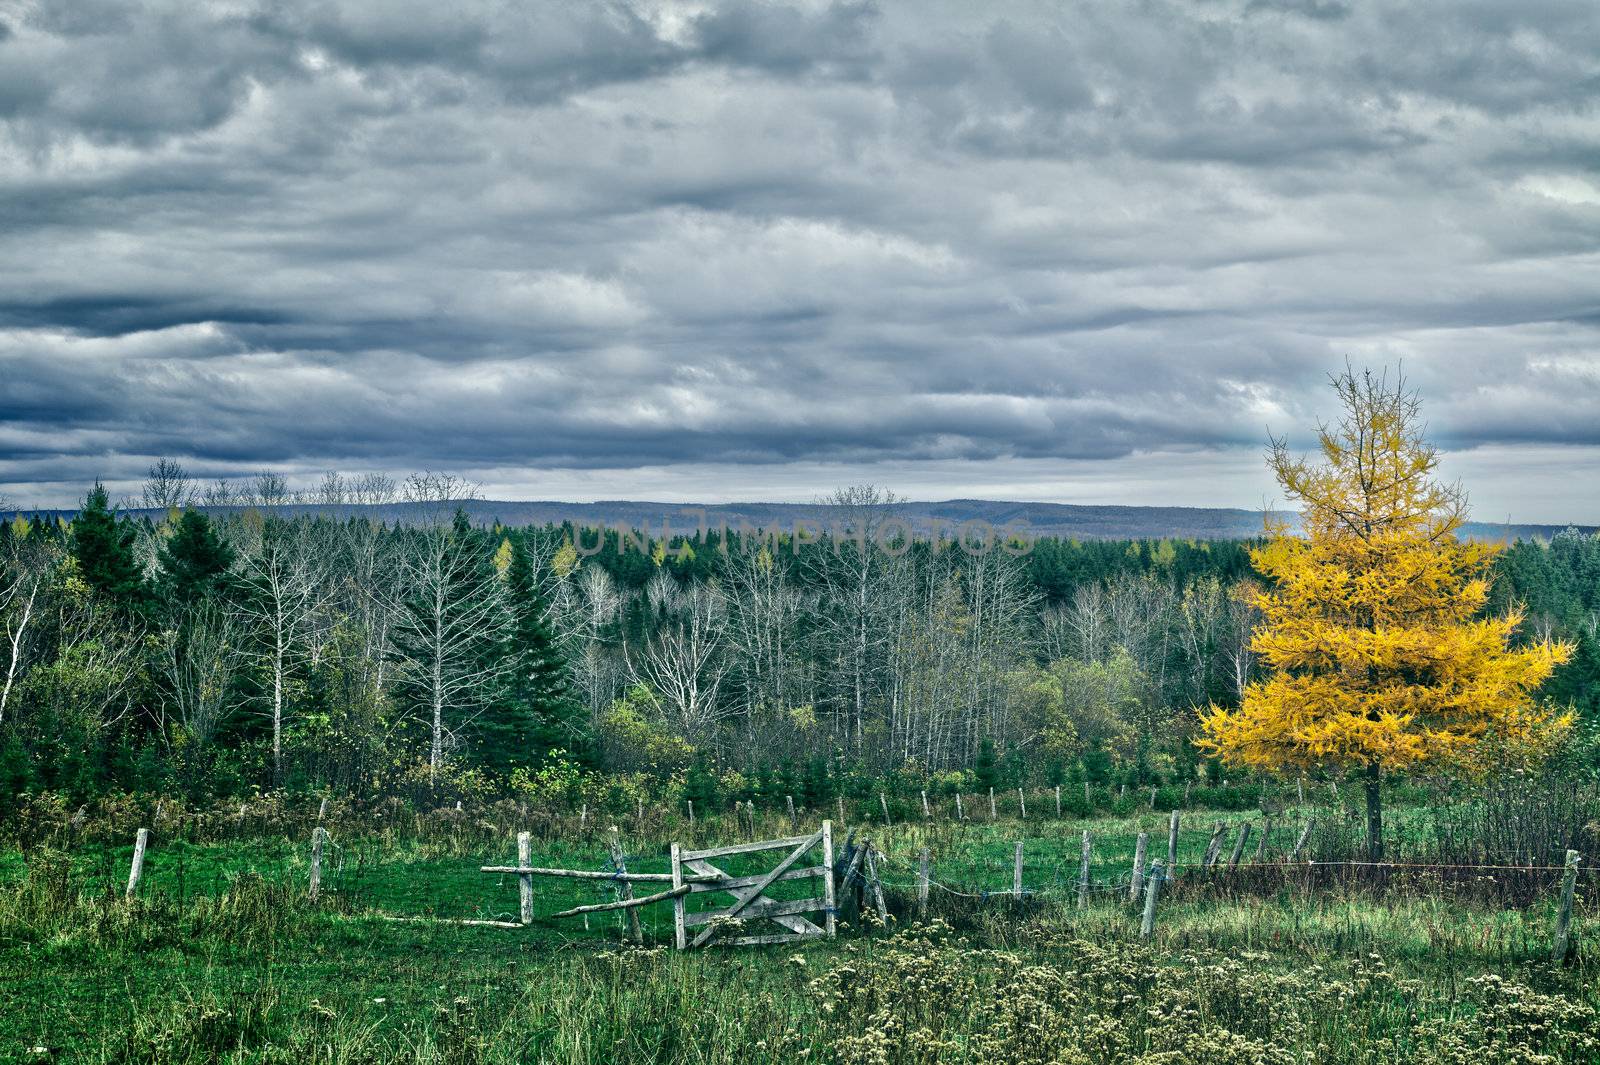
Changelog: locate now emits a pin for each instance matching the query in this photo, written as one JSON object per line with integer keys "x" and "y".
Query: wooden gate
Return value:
{"x": 749, "y": 899}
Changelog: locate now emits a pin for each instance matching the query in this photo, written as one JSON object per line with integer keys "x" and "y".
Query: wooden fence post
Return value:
{"x": 1022, "y": 806}
{"x": 883, "y": 803}
{"x": 322, "y": 811}
{"x": 691, "y": 813}
{"x": 841, "y": 810}
{"x": 1569, "y": 880}
{"x": 1300, "y": 843}
{"x": 1172, "y": 842}
{"x": 1214, "y": 847}
{"x": 1016, "y": 872}
{"x": 1152, "y": 888}
{"x": 619, "y": 864}
{"x": 1186, "y": 786}
{"x": 1088, "y": 800}
{"x": 136, "y": 870}
{"x": 1152, "y": 798}
{"x": 680, "y": 930}
{"x": 1266, "y": 834}
{"x": 961, "y": 814}
{"x": 1238, "y": 845}
{"x": 790, "y": 800}
{"x": 924, "y": 871}
{"x": 525, "y": 880}
{"x": 1083, "y": 873}
{"x": 829, "y": 898}
{"x": 1058, "y": 802}
{"x": 925, "y": 811}
{"x": 1137, "y": 881}
{"x": 992, "y": 814}
{"x": 638, "y": 812}
{"x": 318, "y": 834}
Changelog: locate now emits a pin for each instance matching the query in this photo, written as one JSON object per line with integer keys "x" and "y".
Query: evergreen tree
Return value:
{"x": 537, "y": 710}
{"x": 103, "y": 548}
{"x": 194, "y": 560}
{"x": 987, "y": 766}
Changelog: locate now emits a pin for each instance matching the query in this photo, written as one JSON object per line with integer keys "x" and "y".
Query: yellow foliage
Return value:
{"x": 565, "y": 560}
{"x": 1372, "y": 639}
{"x": 502, "y": 557}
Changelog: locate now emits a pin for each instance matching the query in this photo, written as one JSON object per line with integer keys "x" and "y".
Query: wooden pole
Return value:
{"x": 841, "y": 809}
{"x": 1087, "y": 799}
{"x": 828, "y": 900}
{"x": 1022, "y": 806}
{"x": 1058, "y": 802}
{"x": 1083, "y": 873}
{"x": 1214, "y": 847}
{"x": 583, "y": 820}
{"x": 322, "y": 811}
{"x": 136, "y": 870}
{"x": 638, "y": 812}
{"x": 680, "y": 930}
{"x": 874, "y": 883}
{"x": 884, "y": 804}
{"x": 1305, "y": 834}
{"x": 1152, "y": 798}
{"x": 630, "y": 904}
{"x": 525, "y": 880}
{"x": 1152, "y": 888}
{"x": 790, "y": 800}
{"x": 318, "y": 834}
{"x": 1266, "y": 834}
{"x": 924, "y": 875}
{"x": 992, "y": 814}
{"x": 925, "y": 812}
{"x": 1139, "y": 847}
{"x": 1238, "y": 845}
{"x": 1172, "y": 842}
{"x": 1569, "y": 880}
{"x": 961, "y": 815}
{"x": 1186, "y": 786}
{"x": 1016, "y": 872}
{"x": 619, "y": 863}
{"x": 691, "y": 813}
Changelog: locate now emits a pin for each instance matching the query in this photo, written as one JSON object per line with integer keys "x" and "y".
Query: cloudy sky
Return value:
{"x": 1073, "y": 251}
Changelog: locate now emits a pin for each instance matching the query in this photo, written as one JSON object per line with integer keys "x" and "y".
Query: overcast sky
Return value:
{"x": 1083, "y": 252}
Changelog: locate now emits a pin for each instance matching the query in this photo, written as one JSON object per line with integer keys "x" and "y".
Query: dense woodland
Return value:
{"x": 224, "y": 650}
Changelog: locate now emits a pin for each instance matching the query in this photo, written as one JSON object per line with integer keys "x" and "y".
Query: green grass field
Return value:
{"x": 222, "y": 958}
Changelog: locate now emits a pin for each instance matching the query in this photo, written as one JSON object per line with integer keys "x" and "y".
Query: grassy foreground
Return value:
{"x": 222, "y": 959}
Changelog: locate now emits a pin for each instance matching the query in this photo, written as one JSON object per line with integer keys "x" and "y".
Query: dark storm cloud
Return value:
{"x": 622, "y": 235}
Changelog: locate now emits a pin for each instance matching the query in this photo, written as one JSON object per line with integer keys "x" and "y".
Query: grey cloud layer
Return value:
{"x": 485, "y": 235}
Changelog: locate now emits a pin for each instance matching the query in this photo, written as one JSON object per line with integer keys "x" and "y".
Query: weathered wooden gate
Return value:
{"x": 749, "y": 898}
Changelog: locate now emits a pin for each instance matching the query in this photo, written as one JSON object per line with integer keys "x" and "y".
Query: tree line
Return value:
{"x": 218, "y": 644}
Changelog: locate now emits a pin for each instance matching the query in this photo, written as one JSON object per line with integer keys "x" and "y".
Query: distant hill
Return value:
{"x": 1040, "y": 519}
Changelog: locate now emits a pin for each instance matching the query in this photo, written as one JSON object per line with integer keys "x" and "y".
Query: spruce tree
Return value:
{"x": 194, "y": 560}
{"x": 103, "y": 548}
{"x": 538, "y": 706}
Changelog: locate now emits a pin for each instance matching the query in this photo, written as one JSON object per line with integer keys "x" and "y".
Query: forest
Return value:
{"x": 215, "y": 646}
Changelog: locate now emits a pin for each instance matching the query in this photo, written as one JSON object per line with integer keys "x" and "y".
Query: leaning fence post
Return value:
{"x": 1214, "y": 847}
{"x": 1137, "y": 881}
{"x": 619, "y": 865}
{"x": 1152, "y": 888}
{"x": 1238, "y": 845}
{"x": 1083, "y": 873}
{"x": 924, "y": 874}
{"x": 1152, "y": 798}
{"x": 1172, "y": 842}
{"x": 1300, "y": 843}
{"x": 1016, "y": 872}
{"x": 1569, "y": 880}
{"x": 322, "y": 811}
{"x": 525, "y": 879}
{"x": 318, "y": 834}
{"x": 136, "y": 870}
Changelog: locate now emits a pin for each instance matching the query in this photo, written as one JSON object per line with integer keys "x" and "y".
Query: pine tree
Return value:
{"x": 538, "y": 708}
{"x": 194, "y": 560}
{"x": 103, "y": 547}
{"x": 1376, "y": 653}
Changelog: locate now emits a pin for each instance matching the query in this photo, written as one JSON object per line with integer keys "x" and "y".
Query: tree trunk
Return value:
{"x": 1374, "y": 814}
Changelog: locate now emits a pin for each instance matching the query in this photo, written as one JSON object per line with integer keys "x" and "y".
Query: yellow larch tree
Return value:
{"x": 1375, "y": 651}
